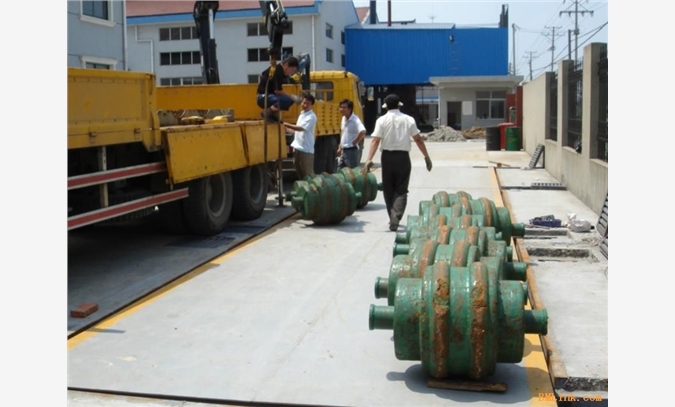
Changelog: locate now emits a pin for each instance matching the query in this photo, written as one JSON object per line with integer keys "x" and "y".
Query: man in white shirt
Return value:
{"x": 352, "y": 132}
{"x": 393, "y": 132}
{"x": 303, "y": 141}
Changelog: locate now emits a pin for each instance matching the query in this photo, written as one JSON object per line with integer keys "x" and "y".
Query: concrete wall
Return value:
{"x": 96, "y": 40}
{"x": 583, "y": 174}
{"x": 535, "y": 115}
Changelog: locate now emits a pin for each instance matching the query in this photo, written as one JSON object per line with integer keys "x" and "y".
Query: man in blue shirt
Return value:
{"x": 303, "y": 141}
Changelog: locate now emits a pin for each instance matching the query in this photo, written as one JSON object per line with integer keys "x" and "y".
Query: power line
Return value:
{"x": 576, "y": 23}
{"x": 531, "y": 55}
{"x": 592, "y": 33}
{"x": 553, "y": 35}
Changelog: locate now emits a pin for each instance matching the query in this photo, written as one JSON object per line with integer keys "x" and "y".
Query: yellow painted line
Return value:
{"x": 536, "y": 369}
{"x": 155, "y": 295}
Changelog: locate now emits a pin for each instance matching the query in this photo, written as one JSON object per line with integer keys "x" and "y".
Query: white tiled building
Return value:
{"x": 96, "y": 32}
{"x": 162, "y": 38}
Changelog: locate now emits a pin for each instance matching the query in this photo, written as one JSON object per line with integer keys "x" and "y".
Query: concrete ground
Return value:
{"x": 284, "y": 319}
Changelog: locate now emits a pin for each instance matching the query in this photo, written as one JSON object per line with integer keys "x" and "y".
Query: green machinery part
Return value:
{"x": 324, "y": 199}
{"x": 459, "y": 321}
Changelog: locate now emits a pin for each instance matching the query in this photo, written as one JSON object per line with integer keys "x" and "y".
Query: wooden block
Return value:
{"x": 466, "y": 385}
{"x": 84, "y": 310}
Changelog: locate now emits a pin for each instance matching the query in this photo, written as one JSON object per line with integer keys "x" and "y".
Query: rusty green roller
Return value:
{"x": 458, "y": 321}
{"x": 439, "y": 229}
{"x": 417, "y": 228}
{"x": 324, "y": 199}
{"x": 428, "y": 212}
{"x": 423, "y": 253}
{"x": 443, "y": 199}
{"x": 493, "y": 216}
{"x": 363, "y": 183}
{"x": 460, "y": 248}
{"x": 483, "y": 212}
{"x": 442, "y": 234}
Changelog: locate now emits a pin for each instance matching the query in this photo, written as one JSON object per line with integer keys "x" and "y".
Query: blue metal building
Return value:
{"x": 412, "y": 54}
{"x": 451, "y": 75}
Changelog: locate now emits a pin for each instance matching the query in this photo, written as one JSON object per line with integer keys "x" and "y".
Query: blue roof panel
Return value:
{"x": 389, "y": 55}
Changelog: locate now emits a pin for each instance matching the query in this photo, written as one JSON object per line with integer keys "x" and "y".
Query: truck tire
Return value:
{"x": 209, "y": 204}
{"x": 171, "y": 218}
{"x": 251, "y": 186}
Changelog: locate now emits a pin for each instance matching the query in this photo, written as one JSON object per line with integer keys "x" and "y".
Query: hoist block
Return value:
{"x": 458, "y": 321}
{"x": 324, "y": 199}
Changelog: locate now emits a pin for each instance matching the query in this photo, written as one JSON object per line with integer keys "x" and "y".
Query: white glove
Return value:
{"x": 296, "y": 99}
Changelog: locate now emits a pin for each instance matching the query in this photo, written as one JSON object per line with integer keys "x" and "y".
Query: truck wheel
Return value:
{"x": 209, "y": 204}
{"x": 251, "y": 185}
{"x": 171, "y": 218}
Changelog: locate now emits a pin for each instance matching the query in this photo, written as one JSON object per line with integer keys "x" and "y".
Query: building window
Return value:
{"x": 178, "y": 33}
{"x": 286, "y": 52}
{"x": 194, "y": 80}
{"x": 94, "y": 65}
{"x": 253, "y": 78}
{"x": 343, "y": 60}
{"x": 256, "y": 29}
{"x": 257, "y": 54}
{"x": 342, "y": 37}
{"x": 259, "y": 29}
{"x": 329, "y": 30}
{"x": 329, "y": 55}
{"x": 491, "y": 104}
{"x": 260, "y": 54}
{"x": 180, "y": 58}
{"x": 98, "y": 63}
{"x": 96, "y": 9}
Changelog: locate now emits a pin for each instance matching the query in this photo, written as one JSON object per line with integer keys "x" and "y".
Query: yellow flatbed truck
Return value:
{"x": 123, "y": 164}
{"x": 328, "y": 87}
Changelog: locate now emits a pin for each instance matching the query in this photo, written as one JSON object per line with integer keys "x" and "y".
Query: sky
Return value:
{"x": 533, "y": 19}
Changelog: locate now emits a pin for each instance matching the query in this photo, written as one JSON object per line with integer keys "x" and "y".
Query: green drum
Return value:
{"x": 513, "y": 138}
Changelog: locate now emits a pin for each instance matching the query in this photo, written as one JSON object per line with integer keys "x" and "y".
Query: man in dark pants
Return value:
{"x": 277, "y": 98}
{"x": 351, "y": 134}
{"x": 392, "y": 134}
{"x": 303, "y": 141}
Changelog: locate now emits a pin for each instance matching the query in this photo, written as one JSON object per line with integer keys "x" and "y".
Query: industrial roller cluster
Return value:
{"x": 455, "y": 297}
{"x": 327, "y": 199}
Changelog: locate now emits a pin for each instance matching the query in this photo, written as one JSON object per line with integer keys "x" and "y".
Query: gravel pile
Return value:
{"x": 445, "y": 133}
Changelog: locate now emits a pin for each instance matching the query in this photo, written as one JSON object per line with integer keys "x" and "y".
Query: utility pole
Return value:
{"x": 553, "y": 35}
{"x": 569, "y": 44}
{"x": 531, "y": 57}
{"x": 514, "y": 26}
{"x": 576, "y": 23}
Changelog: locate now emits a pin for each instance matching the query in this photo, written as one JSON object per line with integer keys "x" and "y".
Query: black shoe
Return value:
{"x": 393, "y": 223}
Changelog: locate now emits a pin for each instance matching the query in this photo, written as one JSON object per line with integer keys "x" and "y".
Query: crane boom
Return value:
{"x": 205, "y": 14}
{"x": 276, "y": 21}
